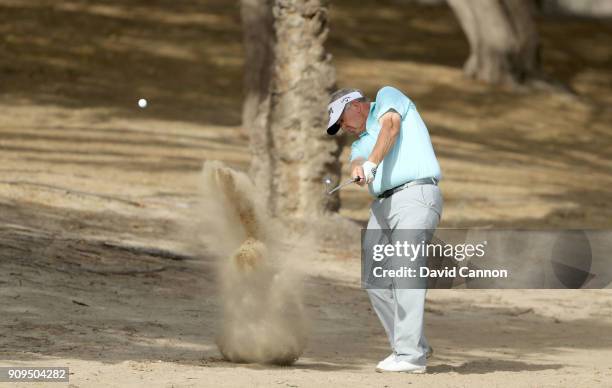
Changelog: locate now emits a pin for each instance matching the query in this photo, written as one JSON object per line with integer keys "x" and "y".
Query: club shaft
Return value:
{"x": 342, "y": 185}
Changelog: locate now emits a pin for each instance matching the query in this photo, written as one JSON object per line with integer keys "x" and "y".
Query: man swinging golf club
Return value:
{"x": 393, "y": 154}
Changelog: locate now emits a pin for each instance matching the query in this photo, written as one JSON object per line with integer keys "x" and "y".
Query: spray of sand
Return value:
{"x": 263, "y": 318}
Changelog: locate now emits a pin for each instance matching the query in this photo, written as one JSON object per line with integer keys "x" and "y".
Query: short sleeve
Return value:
{"x": 357, "y": 151}
{"x": 390, "y": 98}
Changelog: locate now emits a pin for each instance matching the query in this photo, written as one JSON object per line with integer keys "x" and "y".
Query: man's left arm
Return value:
{"x": 390, "y": 125}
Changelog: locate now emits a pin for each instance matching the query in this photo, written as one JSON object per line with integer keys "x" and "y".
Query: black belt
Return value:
{"x": 421, "y": 181}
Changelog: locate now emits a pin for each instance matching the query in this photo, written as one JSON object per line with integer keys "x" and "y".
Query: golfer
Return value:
{"x": 393, "y": 154}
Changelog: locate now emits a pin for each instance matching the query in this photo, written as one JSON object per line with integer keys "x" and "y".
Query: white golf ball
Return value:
{"x": 142, "y": 103}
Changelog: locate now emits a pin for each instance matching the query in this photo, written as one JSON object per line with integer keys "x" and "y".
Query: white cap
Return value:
{"x": 335, "y": 109}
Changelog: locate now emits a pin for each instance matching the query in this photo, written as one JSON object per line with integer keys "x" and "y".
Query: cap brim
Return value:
{"x": 335, "y": 110}
{"x": 333, "y": 129}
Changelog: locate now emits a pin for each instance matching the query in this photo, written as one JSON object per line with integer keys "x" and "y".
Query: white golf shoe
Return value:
{"x": 394, "y": 365}
{"x": 389, "y": 358}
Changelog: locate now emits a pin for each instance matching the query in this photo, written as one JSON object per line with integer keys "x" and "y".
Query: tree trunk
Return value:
{"x": 288, "y": 78}
{"x": 503, "y": 39}
{"x": 258, "y": 43}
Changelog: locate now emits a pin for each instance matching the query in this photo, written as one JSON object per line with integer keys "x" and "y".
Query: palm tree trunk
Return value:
{"x": 288, "y": 78}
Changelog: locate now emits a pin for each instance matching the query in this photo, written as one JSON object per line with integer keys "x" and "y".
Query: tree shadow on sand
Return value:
{"x": 490, "y": 366}
{"x": 116, "y": 305}
{"x": 184, "y": 57}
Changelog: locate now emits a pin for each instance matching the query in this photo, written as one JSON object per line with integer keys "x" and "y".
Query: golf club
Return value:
{"x": 328, "y": 181}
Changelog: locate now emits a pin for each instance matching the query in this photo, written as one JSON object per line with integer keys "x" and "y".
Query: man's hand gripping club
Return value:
{"x": 363, "y": 171}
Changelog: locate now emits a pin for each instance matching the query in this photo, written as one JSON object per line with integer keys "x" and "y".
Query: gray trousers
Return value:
{"x": 410, "y": 214}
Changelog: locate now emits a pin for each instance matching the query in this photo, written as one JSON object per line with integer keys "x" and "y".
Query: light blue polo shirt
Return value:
{"x": 411, "y": 157}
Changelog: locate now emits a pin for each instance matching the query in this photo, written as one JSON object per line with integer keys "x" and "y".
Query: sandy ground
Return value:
{"x": 95, "y": 195}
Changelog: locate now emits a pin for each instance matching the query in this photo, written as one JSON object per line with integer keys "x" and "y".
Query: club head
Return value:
{"x": 327, "y": 181}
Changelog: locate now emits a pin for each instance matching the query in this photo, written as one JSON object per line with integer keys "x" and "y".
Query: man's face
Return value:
{"x": 352, "y": 119}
